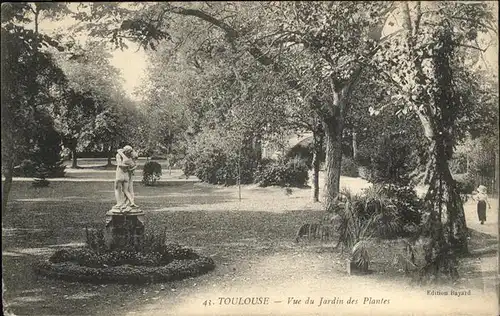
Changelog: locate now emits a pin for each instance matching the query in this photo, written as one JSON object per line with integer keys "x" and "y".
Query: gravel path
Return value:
{"x": 283, "y": 277}
{"x": 292, "y": 275}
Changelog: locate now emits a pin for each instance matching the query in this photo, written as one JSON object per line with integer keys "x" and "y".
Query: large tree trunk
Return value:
{"x": 333, "y": 127}
{"x": 496, "y": 188}
{"x": 445, "y": 226}
{"x": 354, "y": 145}
{"x": 7, "y": 184}
{"x": 257, "y": 147}
{"x": 74, "y": 158}
{"x": 110, "y": 157}
{"x": 316, "y": 161}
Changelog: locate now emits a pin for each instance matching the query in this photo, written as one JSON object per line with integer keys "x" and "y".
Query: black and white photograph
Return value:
{"x": 250, "y": 158}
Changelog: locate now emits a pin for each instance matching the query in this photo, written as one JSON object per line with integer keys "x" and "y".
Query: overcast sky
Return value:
{"x": 132, "y": 62}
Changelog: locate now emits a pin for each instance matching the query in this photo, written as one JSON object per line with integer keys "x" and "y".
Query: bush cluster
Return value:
{"x": 284, "y": 172}
{"x": 90, "y": 258}
{"x": 349, "y": 168}
{"x": 408, "y": 204}
{"x": 217, "y": 167}
{"x": 175, "y": 270}
{"x": 30, "y": 168}
{"x": 465, "y": 183}
{"x": 390, "y": 159}
{"x": 396, "y": 211}
{"x": 153, "y": 261}
{"x": 151, "y": 172}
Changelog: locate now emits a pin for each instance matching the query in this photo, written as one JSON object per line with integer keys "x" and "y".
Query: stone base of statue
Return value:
{"x": 124, "y": 228}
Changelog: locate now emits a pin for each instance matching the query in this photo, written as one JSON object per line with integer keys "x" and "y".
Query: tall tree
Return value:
{"x": 29, "y": 78}
{"x": 336, "y": 36}
{"x": 425, "y": 64}
{"x": 91, "y": 113}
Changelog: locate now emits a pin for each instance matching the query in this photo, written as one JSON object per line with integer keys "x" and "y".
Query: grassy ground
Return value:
{"x": 250, "y": 241}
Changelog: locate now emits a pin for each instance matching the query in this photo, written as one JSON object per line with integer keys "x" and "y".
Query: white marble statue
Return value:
{"x": 124, "y": 188}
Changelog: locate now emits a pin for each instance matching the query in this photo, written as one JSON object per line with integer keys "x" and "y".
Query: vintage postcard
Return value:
{"x": 250, "y": 158}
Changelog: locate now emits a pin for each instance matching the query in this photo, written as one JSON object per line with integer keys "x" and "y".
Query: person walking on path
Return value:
{"x": 482, "y": 200}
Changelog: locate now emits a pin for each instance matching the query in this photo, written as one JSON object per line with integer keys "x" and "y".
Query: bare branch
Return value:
{"x": 474, "y": 47}
{"x": 231, "y": 33}
{"x": 418, "y": 18}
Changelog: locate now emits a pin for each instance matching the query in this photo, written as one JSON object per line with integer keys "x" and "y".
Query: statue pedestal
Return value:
{"x": 124, "y": 228}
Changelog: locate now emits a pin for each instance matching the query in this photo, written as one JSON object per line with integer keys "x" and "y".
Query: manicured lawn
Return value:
{"x": 250, "y": 240}
{"x": 39, "y": 220}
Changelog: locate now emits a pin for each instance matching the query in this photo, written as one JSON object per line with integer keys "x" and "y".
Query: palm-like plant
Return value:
{"x": 363, "y": 218}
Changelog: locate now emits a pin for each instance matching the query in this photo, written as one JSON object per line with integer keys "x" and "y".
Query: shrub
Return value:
{"x": 349, "y": 168}
{"x": 465, "y": 183}
{"x": 217, "y": 167}
{"x": 303, "y": 151}
{"x": 285, "y": 173}
{"x": 391, "y": 159}
{"x": 188, "y": 166}
{"x": 409, "y": 206}
{"x": 175, "y": 270}
{"x": 26, "y": 168}
{"x": 46, "y": 152}
{"x": 41, "y": 174}
{"x": 30, "y": 168}
{"x": 360, "y": 220}
{"x": 395, "y": 210}
{"x": 153, "y": 261}
{"x": 151, "y": 172}
{"x": 458, "y": 164}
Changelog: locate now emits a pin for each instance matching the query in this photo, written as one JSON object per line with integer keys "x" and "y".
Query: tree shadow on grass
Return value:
{"x": 481, "y": 244}
{"x": 34, "y": 227}
{"x": 230, "y": 234}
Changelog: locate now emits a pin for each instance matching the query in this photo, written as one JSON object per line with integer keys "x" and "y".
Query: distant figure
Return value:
{"x": 482, "y": 199}
{"x": 125, "y": 166}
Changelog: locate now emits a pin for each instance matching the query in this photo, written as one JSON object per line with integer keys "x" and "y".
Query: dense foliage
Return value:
{"x": 349, "y": 168}
{"x": 283, "y": 172}
{"x": 151, "y": 172}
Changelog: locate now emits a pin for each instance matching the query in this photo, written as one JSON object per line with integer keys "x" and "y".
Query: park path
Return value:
{"x": 286, "y": 274}
{"x": 291, "y": 273}
{"x": 489, "y": 261}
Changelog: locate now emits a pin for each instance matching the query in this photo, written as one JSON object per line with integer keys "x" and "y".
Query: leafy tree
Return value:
{"x": 30, "y": 78}
{"x": 334, "y": 37}
{"x": 391, "y": 147}
{"x": 94, "y": 111}
{"x": 424, "y": 63}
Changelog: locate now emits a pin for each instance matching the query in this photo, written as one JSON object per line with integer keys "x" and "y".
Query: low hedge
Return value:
{"x": 175, "y": 270}
{"x": 170, "y": 262}
{"x": 284, "y": 173}
{"x": 151, "y": 172}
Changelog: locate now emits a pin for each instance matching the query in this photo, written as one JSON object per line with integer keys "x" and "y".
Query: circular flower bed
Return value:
{"x": 166, "y": 263}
